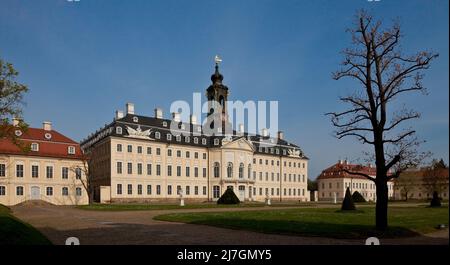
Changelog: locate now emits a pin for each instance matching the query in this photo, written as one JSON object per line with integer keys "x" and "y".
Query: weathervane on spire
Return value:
{"x": 217, "y": 59}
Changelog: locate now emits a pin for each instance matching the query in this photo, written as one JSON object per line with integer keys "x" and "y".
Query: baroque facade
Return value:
{"x": 141, "y": 158}
{"x": 45, "y": 166}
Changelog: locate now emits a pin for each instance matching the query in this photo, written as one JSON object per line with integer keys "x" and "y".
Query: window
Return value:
{"x": 149, "y": 150}
{"x": 178, "y": 171}
{"x": 49, "y": 172}
{"x": 139, "y": 189}
{"x": 196, "y": 190}
{"x": 2, "y": 190}
{"x": 157, "y": 135}
{"x": 65, "y": 173}
{"x": 2, "y": 170}
{"x": 78, "y": 192}
{"x": 149, "y": 169}
{"x": 65, "y": 191}
{"x": 78, "y": 173}
{"x": 119, "y": 167}
{"x": 158, "y": 151}
{"x": 149, "y": 189}
{"x": 178, "y": 190}
{"x": 169, "y": 170}
{"x": 196, "y": 155}
{"x": 130, "y": 189}
{"x": 216, "y": 169}
{"x": 71, "y": 150}
{"x": 158, "y": 170}
{"x": 169, "y": 152}
{"x": 188, "y": 154}
{"x": 49, "y": 191}
{"x": 158, "y": 189}
{"x": 204, "y": 172}
{"x": 204, "y": 155}
{"x": 204, "y": 190}
{"x": 139, "y": 168}
{"x": 187, "y": 139}
{"x": 129, "y": 148}
{"x": 188, "y": 171}
{"x": 35, "y": 147}
{"x": 129, "y": 168}
{"x": 169, "y": 137}
{"x": 216, "y": 141}
{"x": 164, "y": 123}
{"x": 119, "y": 188}
{"x": 118, "y": 130}
{"x": 230, "y": 170}
{"x": 188, "y": 190}
{"x": 19, "y": 191}
{"x": 196, "y": 172}
{"x": 139, "y": 149}
{"x": 178, "y": 138}
{"x": 119, "y": 147}
{"x": 169, "y": 190}
{"x": 178, "y": 153}
{"x": 216, "y": 192}
{"x": 241, "y": 170}
{"x": 203, "y": 141}
{"x": 19, "y": 171}
{"x": 34, "y": 171}
{"x": 195, "y": 140}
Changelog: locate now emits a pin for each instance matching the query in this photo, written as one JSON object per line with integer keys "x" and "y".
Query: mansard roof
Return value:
{"x": 263, "y": 145}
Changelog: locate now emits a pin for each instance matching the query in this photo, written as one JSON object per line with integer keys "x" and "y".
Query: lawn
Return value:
{"x": 15, "y": 232}
{"x": 145, "y": 207}
{"x": 325, "y": 222}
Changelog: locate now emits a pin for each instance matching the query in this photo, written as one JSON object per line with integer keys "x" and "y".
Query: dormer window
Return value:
{"x": 135, "y": 119}
{"x": 199, "y": 129}
{"x": 178, "y": 138}
{"x": 284, "y": 151}
{"x": 164, "y": 123}
{"x": 169, "y": 137}
{"x": 277, "y": 151}
{"x": 216, "y": 141}
{"x": 187, "y": 139}
{"x": 35, "y": 147}
{"x": 71, "y": 150}
{"x": 157, "y": 135}
{"x": 204, "y": 141}
{"x": 118, "y": 130}
{"x": 195, "y": 140}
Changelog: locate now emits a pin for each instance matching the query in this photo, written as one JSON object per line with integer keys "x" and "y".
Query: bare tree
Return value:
{"x": 435, "y": 178}
{"x": 385, "y": 74}
{"x": 405, "y": 185}
{"x": 84, "y": 174}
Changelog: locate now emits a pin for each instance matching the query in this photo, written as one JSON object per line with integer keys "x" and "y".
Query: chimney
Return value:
{"x": 130, "y": 108}
{"x": 119, "y": 114}
{"x": 241, "y": 129}
{"x": 15, "y": 121}
{"x": 176, "y": 117}
{"x": 158, "y": 113}
{"x": 345, "y": 162}
{"x": 340, "y": 162}
{"x": 280, "y": 135}
{"x": 193, "y": 119}
{"x": 264, "y": 132}
{"x": 47, "y": 125}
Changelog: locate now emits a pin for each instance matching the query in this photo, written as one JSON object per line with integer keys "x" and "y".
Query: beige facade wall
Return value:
{"x": 19, "y": 185}
{"x": 150, "y": 178}
{"x": 327, "y": 188}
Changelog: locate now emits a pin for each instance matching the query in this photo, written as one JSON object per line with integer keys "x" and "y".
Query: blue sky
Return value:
{"x": 83, "y": 60}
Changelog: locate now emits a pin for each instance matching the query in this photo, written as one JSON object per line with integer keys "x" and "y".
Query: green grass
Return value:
{"x": 146, "y": 207}
{"x": 15, "y": 232}
{"x": 325, "y": 222}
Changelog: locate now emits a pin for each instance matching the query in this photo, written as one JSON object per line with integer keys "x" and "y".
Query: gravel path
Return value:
{"x": 138, "y": 227}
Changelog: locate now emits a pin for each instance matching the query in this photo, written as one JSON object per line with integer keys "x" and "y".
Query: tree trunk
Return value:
{"x": 381, "y": 211}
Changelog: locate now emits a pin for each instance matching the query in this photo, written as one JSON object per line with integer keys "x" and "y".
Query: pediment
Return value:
{"x": 239, "y": 143}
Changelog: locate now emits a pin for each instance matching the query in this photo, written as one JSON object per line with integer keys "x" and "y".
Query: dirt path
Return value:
{"x": 138, "y": 227}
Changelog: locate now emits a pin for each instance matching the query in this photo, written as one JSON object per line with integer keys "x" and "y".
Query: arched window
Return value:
{"x": 230, "y": 170}
{"x": 216, "y": 170}
{"x": 241, "y": 170}
{"x": 249, "y": 171}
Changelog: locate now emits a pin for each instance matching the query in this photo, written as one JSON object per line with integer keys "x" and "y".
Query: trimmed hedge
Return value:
{"x": 347, "y": 203}
{"x": 357, "y": 197}
{"x": 228, "y": 197}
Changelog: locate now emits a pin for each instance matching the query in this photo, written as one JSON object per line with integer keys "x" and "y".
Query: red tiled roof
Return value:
{"x": 56, "y": 146}
{"x": 337, "y": 171}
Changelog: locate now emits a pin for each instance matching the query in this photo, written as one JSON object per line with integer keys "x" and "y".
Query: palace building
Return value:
{"x": 333, "y": 182}
{"x": 139, "y": 158}
{"x": 42, "y": 165}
